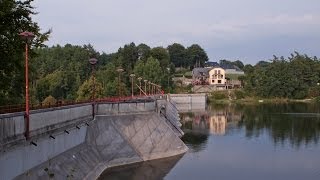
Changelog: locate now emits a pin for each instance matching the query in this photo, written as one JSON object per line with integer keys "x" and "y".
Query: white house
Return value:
{"x": 217, "y": 76}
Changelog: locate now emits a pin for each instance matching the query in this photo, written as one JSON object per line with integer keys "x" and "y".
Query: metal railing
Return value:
{"x": 21, "y": 107}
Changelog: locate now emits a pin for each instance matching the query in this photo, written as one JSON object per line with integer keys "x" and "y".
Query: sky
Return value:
{"x": 246, "y": 30}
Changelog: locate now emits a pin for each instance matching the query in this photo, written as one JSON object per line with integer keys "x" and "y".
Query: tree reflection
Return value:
{"x": 293, "y": 123}
{"x": 296, "y": 124}
{"x": 195, "y": 141}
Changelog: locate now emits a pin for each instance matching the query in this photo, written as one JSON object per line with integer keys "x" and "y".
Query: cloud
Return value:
{"x": 213, "y": 24}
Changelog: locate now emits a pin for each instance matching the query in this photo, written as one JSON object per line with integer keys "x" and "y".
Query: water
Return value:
{"x": 241, "y": 142}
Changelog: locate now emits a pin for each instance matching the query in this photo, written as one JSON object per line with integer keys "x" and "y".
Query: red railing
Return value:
{"x": 21, "y": 107}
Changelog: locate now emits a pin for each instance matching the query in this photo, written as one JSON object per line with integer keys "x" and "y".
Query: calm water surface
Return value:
{"x": 241, "y": 142}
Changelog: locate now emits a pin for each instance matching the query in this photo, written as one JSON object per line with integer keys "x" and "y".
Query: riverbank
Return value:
{"x": 256, "y": 100}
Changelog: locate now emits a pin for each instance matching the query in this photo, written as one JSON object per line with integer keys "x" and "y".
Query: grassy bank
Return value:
{"x": 240, "y": 97}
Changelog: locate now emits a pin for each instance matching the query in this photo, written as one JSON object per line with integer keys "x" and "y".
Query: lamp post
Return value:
{"x": 139, "y": 79}
{"x": 145, "y": 86}
{"x": 132, "y": 79}
{"x": 93, "y": 62}
{"x": 168, "y": 77}
{"x": 119, "y": 70}
{"x": 27, "y": 37}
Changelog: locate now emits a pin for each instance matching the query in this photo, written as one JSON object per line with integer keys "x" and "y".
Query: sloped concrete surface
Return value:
{"x": 111, "y": 141}
{"x": 157, "y": 169}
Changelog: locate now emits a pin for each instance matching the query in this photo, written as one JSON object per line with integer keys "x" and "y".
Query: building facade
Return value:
{"x": 217, "y": 76}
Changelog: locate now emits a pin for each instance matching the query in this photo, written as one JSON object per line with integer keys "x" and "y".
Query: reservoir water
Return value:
{"x": 241, "y": 142}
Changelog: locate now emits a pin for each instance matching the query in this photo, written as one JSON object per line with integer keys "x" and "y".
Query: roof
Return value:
{"x": 200, "y": 72}
{"x": 211, "y": 64}
{"x": 230, "y": 66}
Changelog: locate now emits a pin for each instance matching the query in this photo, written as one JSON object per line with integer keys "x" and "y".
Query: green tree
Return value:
{"x": 177, "y": 53}
{"x": 128, "y": 55}
{"x": 152, "y": 70}
{"x": 162, "y": 56}
{"x": 196, "y": 56}
{"x": 86, "y": 90}
{"x": 143, "y": 52}
{"x": 15, "y": 17}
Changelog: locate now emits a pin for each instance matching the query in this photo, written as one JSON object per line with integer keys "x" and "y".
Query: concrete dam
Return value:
{"x": 69, "y": 142}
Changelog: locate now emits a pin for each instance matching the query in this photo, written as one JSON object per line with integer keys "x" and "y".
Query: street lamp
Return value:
{"x": 27, "y": 37}
{"x": 168, "y": 77}
{"x": 93, "y": 62}
{"x": 145, "y": 86}
{"x": 119, "y": 70}
{"x": 132, "y": 76}
{"x": 139, "y": 79}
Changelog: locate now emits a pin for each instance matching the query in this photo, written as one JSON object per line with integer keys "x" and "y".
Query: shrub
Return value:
{"x": 239, "y": 94}
{"x": 49, "y": 101}
{"x": 218, "y": 95}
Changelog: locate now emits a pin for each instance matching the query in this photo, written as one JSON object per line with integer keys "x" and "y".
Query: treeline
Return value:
{"x": 295, "y": 77}
{"x": 64, "y": 73}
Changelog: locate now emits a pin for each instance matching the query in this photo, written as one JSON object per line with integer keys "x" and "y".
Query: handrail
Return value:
{"x": 21, "y": 107}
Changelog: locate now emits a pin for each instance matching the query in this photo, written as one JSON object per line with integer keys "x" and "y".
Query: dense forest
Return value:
{"x": 295, "y": 77}
{"x": 64, "y": 73}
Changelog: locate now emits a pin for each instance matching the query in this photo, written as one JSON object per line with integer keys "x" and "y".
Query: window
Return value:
{"x": 219, "y": 81}
{"x": 215, "y": 71}
{"x": 212, "y": 81}
{"x": 218, "y": 71}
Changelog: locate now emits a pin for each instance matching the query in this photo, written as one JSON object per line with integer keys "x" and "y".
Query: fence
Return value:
{"x": 22, "y": 107}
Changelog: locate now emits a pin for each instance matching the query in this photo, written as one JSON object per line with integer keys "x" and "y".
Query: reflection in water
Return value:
{"x": 296, "y": 124}
{"x": 213, "y": 121}
{"x": 195, "y": 141}
{"x": 156, "y": 169}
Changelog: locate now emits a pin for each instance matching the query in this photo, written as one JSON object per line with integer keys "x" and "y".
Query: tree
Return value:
{"x": 152, "y": 70}
{"x": 15, "y": 17}
{"x": 177, "y": 54}
{"x": 143, "y": 52}
{"x": 239, "y": 64}
{"x": 162, "y": 56}
{"x": 86, "y": 90}
{"x": 128, "y": 55}
{"x": 196, "y": 56}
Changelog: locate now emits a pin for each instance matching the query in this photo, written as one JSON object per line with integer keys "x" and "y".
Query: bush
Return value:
{"x": 239, "y": 94}
{"x": 317, "y": 99}
{"x": 217, "y": 95}
{"x": 49, "y": 101}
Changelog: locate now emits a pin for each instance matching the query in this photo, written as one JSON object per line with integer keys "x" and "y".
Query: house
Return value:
{"x": 217, "y": 77}
{"x": 200, "y": 76}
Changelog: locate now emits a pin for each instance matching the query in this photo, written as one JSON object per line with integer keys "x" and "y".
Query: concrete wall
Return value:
{"x": 189, "y": 102}
{"x": 46, "y": 121}
{"x": 12, "y": 126}
{"x": 109, "y": 141}
{"x": 127, "y": 107}
{"x": 25, "y": 156}
{"x": 68, "y": 143}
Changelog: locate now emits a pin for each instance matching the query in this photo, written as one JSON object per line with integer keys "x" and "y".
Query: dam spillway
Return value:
{"x": 119, "y": 134}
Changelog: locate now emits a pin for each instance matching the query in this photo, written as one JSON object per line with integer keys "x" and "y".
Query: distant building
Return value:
{"x": 232, "y": 69}
{"x": 200, "y": 76}
{"x": 217, "y": 77}
{"x": 211, "y": 64}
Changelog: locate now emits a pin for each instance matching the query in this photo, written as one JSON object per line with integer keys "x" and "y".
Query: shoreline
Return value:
{"x": 254, "y": 101}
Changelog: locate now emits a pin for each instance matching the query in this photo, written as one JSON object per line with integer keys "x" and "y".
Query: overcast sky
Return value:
{"x": 248, "y": 30}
